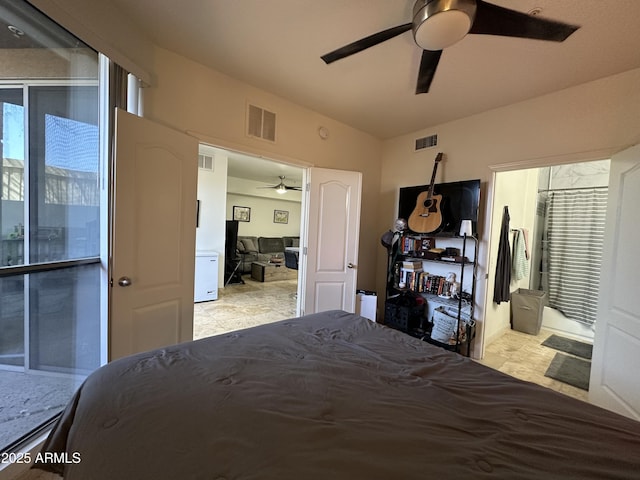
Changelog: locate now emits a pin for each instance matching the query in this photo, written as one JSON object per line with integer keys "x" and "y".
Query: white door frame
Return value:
{"x": 486, "y": 246}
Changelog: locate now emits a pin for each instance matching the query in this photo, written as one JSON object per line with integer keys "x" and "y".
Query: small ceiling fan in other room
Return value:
{"x": 281, "y": 187}
{"x": 438, "y": 24}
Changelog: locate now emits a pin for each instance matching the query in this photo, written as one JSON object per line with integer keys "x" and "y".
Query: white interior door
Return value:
{"x": 333, "y": 227}
{"x": 154, "y": 224}
{"x": 615, "y": 371}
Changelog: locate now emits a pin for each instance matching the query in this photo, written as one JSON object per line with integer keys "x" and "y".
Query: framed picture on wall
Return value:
{"x": 280, "y": 216}
{"x": 242, "y": 214}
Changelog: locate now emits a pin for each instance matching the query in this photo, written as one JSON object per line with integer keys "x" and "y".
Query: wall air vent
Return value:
{"x": 261, "y": 123}
{"x": 205, "y": 162}
{"x": 426, "y": 142}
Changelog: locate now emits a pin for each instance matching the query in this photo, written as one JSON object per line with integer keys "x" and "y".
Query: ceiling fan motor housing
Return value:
{"x": 438, "y": 24}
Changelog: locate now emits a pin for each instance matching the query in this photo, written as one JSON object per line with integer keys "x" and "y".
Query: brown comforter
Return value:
{"x": 329, "y": 396}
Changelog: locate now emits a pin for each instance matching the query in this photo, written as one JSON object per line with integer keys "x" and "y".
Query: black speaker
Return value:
{"x": 231, "y": 239}
{"x": 232, "y": 272}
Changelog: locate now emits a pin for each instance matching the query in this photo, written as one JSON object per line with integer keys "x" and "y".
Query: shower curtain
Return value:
{"x": 572, "y": 251}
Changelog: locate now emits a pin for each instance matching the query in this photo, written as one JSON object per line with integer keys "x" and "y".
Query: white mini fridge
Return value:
{"x": 206, "y": 281}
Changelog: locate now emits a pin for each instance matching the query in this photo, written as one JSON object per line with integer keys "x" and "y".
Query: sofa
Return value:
{"x": 262, "y": 249}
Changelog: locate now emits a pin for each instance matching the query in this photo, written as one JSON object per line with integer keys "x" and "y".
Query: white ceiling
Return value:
{"x": 258, "y": 169}
{"x": 276, "y": 45}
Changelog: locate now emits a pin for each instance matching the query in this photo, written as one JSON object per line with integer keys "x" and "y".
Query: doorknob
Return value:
{"x": 124, "y": 281}
{"x": 350, "y": 265}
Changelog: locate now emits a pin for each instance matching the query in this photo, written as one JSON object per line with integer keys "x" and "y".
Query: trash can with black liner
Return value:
{"x": 527, "y": 307}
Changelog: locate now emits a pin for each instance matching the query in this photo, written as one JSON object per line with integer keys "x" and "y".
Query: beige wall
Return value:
{"x": 211, "y": 106}
{"x": 586, "y": 122}
{"x": 262, "y": 212}
{"x": 517, "y": 190}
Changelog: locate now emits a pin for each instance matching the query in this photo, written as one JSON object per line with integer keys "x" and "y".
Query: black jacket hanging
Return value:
{"x": 501, "y": 291}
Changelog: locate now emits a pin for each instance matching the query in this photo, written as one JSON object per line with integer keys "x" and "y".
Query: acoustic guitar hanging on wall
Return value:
{"x": 426, "y": 216}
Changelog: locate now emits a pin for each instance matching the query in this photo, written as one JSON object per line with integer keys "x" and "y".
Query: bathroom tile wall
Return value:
{"x": 578, "y": 175}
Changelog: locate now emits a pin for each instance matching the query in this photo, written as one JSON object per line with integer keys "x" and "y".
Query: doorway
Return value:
{"x": 242, "y": 189}
{"x": 327, "y": 229}
{"x": 541, "y": 203}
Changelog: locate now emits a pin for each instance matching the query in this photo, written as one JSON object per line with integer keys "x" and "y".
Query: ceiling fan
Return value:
{"x": 281, "y": 187}
{"x": 438, "y": 24}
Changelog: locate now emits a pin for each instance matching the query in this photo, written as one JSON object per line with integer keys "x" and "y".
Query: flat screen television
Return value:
{"x": 460, "y": 201}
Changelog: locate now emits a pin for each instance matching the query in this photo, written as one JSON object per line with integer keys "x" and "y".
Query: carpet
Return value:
{"x": 571, "y": 370}
{"x": 574, "y": 347}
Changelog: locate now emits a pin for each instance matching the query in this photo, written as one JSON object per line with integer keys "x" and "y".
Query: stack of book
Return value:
{"x": 410, "y": 274}
{"x": 412, "y": 265}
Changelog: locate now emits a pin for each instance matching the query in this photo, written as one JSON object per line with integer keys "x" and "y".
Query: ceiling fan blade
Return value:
{"x": 286, "y": 187}
{"x": 365, "y": 43}
{"x": 494, "y": 20}
{"x": 428, "y": 65}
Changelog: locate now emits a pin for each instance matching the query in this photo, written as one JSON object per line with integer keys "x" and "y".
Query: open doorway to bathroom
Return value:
{"x": 561, "y": 210}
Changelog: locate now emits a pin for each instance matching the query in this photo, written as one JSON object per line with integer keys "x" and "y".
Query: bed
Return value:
{"x": 328, "y": 396}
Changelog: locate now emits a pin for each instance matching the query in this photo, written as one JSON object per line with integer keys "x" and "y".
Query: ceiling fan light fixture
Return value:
{"x": 438, "y": 24}
{"x": 281, "y": 189}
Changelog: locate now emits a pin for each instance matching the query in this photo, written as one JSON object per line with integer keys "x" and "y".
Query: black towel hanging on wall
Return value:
{"x": 501, "y": 291}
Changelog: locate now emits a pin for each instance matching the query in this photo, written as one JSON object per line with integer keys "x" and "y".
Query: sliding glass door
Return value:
{"x": 51, "y": 271}
{"x": 12, "y": 331}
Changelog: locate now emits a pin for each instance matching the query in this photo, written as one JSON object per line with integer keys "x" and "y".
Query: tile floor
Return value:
{"x": 245, "y": 305}
{"x": 522, "y": 356}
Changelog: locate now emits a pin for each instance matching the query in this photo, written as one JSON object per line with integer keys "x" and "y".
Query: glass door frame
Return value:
{"x": 104, "y": 127}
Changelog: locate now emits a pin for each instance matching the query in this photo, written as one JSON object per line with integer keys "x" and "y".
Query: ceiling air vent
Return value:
{"x": 205, "y": 162}
{"x": 261, "y": 123}
{"x": 426, "y": 142}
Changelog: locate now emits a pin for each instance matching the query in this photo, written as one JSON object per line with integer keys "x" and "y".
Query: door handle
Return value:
{"x": 124, "y": 281}
{"x": 350, "y": 265}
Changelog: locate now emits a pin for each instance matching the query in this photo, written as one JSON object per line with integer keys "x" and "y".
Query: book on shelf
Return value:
{"x": 433, "y": 284}
{"x": 420, "y": 281}
{"x": 416, "y": 244}
{"x": 411, "y": 279}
